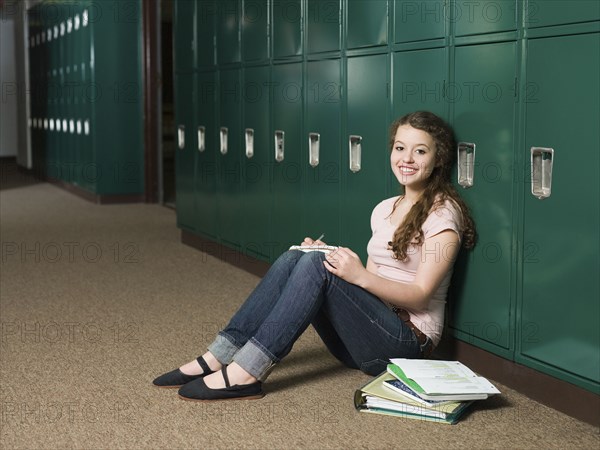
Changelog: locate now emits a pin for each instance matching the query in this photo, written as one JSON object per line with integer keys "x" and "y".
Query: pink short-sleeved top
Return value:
{"x": 445, "y": 217}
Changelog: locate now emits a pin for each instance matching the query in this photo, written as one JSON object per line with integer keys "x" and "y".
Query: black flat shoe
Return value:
{"x": 198, "y": 390}
{"x": 176, "y": 378}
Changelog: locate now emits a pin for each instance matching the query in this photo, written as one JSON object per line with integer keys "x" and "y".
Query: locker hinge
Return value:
{"x": 444, "y": 89}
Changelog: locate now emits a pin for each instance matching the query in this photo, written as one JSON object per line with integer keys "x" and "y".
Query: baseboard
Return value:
{"x": 557, "y": 394}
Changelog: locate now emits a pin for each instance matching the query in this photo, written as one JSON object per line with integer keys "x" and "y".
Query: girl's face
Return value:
{"x": 413, "y": 157}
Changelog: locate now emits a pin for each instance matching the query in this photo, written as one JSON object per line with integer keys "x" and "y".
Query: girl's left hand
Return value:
{"x": 345, "y": 264}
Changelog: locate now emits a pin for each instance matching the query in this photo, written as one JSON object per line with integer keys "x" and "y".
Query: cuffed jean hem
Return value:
{"x": 223, "y": 349}
{"x": 253, "y": 358}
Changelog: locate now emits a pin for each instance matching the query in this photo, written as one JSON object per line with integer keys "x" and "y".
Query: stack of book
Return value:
{"x": 432, "y": 390}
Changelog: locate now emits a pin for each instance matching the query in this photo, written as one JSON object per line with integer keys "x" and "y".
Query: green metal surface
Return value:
{"x": 255, "y": 22}
{"x": 256, "y": 169}
{"x": 482, "y": 95}
{"x": 288, "y": 174}
{"x": 543, "y": 13}
{"x": 367, "y": 23}
{"x": 205, "y": 183}
{"x": 490, "y": 16}
{"x": 418, "y": 21}
{"x": 559, "y": 308}
{"x": 287, "y": 26}
{"x": 206, "y": 14}
{"x": 367, "y": 116}
{"x": 184, "y": 35}
{"x": 185, "y": 158}
{"x": 228, "y": 31}
{"x": 323, "y": 25}
{"x": 229, "y": 187}
{"x": 321, "y": 205}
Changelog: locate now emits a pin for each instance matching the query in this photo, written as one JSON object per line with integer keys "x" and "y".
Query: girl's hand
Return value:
{"x": 345, "y": 264}
{"x": 309, "y": 241}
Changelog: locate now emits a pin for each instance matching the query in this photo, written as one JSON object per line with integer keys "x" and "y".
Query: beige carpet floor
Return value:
{"x": 98, "y": 300}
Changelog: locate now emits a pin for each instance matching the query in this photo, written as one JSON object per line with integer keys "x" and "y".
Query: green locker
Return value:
{"x": 229, "y": 134}
{"x": 419, "y": 21}
{"x": 478, "y": 17}
{"x": 185, "y": 151}
{"x": 321, "y": 166}
{"x": 323, "y": 25}
{"x": 257, "y": 163}
{"x": 207, "y": 149}
{"x": 287, "y": 142}
{"x": 484, "y": 102}
{"x": 228, "y": 31}
{"x": 559, "y": 309}
{"x": 367, "y": 23}
{"x": 206, "y": 13}
{"x": 419, "y": 81}
{"x": 184, "y": 35}
{"x": 365, "y": 152}
{"x": 255, "y": 33}
{"x": 543, "y": 13}
{"x": 287, "y": 28}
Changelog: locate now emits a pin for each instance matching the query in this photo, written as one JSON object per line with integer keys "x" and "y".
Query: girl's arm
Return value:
{"x": 437, "y": 257}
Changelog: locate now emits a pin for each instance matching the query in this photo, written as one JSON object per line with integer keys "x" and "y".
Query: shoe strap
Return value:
{"x": 204, "y": 366}
{"x": 225, "y": 377}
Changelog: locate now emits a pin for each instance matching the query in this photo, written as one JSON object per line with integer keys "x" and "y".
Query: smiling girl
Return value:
{"x": 393, "y": 307}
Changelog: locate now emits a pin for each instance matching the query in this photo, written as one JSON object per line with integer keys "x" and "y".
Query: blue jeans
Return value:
{"x": 355, "y": 325}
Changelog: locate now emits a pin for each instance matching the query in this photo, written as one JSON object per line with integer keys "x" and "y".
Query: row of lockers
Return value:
{"x": 85, "y": 69}
{"x": 246, "y": 177}
{"x": 211, "y": 32}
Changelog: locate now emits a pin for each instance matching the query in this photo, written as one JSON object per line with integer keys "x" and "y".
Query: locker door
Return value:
{"x": 184, "y": 38}
{"x": 206, "y": 13}
{"x": 185, "y": 150}
{"x": 419, "y": 21}
{"x": 321, "y": 169}
{"x": 255, "y": 30}
{"x": 559, "y": 331}
{"x": 229, "y": 131}
{"x": 484, "y": 110}
{"x": 367, "y": 23}
{"x": 365, "y": 179}
{"x": 489, "y": 16}
{"x": 287, "y": 26}
{"x": 290, "y": 163}
{"x": 323, "y": 25}
{"x": 544, "y": 13}
{"x": 257, "y": 163}
{"x": 418, "y": 82}
{"x": 228, "y": 31}
{"x": 207, "y": 150}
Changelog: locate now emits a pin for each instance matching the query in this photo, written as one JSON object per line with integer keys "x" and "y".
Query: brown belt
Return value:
{"x": 424, "y": 341}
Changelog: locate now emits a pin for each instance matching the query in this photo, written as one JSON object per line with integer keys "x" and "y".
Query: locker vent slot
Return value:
{"x": 466, "y": 164}
{"x": 541, "y": 172}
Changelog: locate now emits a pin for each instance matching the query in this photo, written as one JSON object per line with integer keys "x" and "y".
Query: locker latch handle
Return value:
{"x": 354, "y": 147}
{"x": 541, "y": 172}
{"x": 466, "y": 164}
{"x": 223, "y": 140}
{"x": 279, "y": 145}
{"x": 181, "y": 136}
{"x": 313, "y": 149}
{"x": 249, "y": 139}
{"x": 201, "y": 138}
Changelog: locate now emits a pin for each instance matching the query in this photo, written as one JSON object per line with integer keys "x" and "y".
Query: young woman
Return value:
{"x": 393, "y": 307}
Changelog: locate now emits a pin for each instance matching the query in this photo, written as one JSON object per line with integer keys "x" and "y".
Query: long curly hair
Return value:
{"x": 439, "y": 186}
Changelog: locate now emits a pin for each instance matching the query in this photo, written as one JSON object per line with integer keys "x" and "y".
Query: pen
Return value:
{"x": 320, "y": 237}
